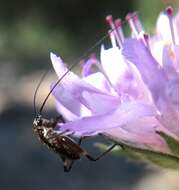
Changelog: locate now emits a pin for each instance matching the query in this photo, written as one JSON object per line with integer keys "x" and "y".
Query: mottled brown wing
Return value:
{"x": 70, "y": 148}
{"x": 67, "y": 163}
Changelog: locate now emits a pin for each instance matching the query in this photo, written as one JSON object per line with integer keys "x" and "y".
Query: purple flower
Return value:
{"x": 132, "y": 95}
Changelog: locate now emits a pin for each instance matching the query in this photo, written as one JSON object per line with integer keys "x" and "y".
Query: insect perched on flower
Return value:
{"x": 63, "y": 145}
{"x": 60, "y": 143}
{"x": 133, "y": 97}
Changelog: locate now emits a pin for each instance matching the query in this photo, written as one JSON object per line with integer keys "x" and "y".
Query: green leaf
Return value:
{"x": 172, "y": 143}
{"x": 157, "y": 158}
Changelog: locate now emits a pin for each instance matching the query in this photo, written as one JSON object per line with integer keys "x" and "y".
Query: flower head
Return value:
{"x": 132, "y": 98}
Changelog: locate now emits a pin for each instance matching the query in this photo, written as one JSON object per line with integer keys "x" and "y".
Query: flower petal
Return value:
{"x": 114, "y": 65}
{"x": 100, "y": 103}
{"x": 88, "y": 65}
{"x": 176, "y": 27}
{"x": 172, "y": 91}
{"x": 141, "y": 134}
{"x": 121, "y": 73}
{"x": 176, "y": 51}
{"x": 151, "y": 72}
{"x": 99, "y": 81}
{"x": 66, "y": 113}
{"x": 66, "y": 98}
{"x": 126, "y": 112}
{"x": 156, "y": 48}
{"x": 166, "y": 58}
{"x": 60, "y": 69}
{"x": 163, "y": 28}
{"x": 111, "y": 59}
{"x": 77, "y": 96}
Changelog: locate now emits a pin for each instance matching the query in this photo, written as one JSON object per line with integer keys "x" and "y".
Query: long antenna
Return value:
{"x": 36, "y": 90}
{"x": 71, "y": 67}
{"x": 78, "y": 60}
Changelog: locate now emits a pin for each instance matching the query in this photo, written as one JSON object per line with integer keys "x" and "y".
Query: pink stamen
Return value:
{"x": 109, "y": 20}
{"x": 112, "y": 37}
{"x": 146, "y": 39}
{"x": 134, "y": 23}
{"x": 169, "y": 12}
{"x": 137, "y": 22}
{"x": 118, "y": 24}
{"x": 129, "y": 18}
{"x": 111, "y": 23}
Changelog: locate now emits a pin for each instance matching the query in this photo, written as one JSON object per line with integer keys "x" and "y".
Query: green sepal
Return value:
{"x": 172, "y": 143}
{"x": 157, "y": 158}
{"x": 118, "y": 151}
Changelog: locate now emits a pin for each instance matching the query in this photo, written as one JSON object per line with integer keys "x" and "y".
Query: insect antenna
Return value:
{"x": 36, "y": 90}
{"x": 79, "y": 59}
{"x": 71, "y": 67}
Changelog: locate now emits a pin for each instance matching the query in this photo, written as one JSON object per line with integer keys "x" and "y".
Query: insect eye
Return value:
{"x": 37, "y": 121}
{"x": 63, "y": 139}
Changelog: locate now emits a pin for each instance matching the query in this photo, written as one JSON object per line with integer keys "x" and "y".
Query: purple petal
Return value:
{"x": 156, "y": 47}
{"x": 58, "y": 64}
{"x": 166, "y": 58}
{"x": 122, "y": 74}
{"x": 100, "y": 103}
{"x": 98, "y": 81}
{"x": 140, "y": 134}
{"x": 176, "y": 50}
{"x": 66, "y": 113}
{"x": 151, "y": 72}
{"x": 171, "y": 58}
{"x": 73, "y": 97}
{"x": 114, "y": 66}
{"x": 163, "y": 129}
{"x": 66, "y": 98}
{"x": 170, "y": 120}
{"x": 163, "y": 27}
{"x": 113, "y": 63}
{"x": 172, "y": 91}
{"x": 176, "y": 22}
{"x": 126, "y": 112}
{"x": 87, "y": 67}
{"x": 60, "y": 69}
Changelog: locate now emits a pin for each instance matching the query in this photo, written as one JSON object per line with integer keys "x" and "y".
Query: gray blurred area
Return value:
{"x": 25, "y": 163}
{"x": 28, "y": 32}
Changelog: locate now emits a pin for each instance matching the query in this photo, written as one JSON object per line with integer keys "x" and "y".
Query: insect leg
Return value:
{"x": 81, "y": 139}
{"x": 68, "y": 165}
{"x": 101, "y": 155}
{"x": 57, "y": 120}
{"x": 60, "y": 118}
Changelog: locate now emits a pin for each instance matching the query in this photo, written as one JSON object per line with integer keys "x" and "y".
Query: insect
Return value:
{"x": 62, "y": 144}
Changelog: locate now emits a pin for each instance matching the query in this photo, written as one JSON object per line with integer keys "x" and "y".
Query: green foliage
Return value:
{"x": 149, "y": 11}
{"x": 157, "y": 158}
{"x": 33, "y": 37}
{"x": 172, "y": 143}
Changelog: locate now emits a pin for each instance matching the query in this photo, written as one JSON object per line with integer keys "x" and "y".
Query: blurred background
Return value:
{"x": 29, "y": 30}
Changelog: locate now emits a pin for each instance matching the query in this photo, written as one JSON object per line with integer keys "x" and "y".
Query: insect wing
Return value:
{"x": 67, "y": 163}
{"x": 71, "y": 149}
